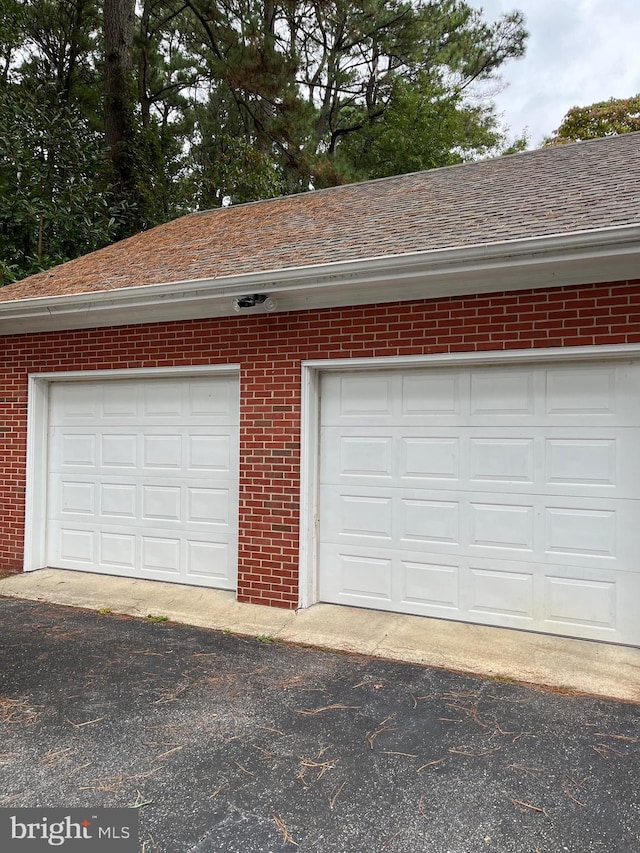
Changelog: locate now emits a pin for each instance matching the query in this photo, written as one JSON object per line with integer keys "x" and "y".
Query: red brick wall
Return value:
{"x": 269, "y": 348}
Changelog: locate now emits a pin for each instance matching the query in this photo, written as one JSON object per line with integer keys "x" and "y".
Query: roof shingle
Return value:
{"x": 562, "y": 190}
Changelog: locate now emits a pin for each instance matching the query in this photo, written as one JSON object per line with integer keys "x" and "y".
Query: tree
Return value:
{"x": 119, "y": 127}
{"x": 209, "y": 100}
{"x": 56, "y": 202}
{"x": 420, "y": 130}
{"x": 311, "y": 81}
{"x": 11, "y": 17}
{"x": 141, "y": 145}
{"x": 167, "y": 75}
{"x": 605, "y": 118}
{"x": 61, "y": 42}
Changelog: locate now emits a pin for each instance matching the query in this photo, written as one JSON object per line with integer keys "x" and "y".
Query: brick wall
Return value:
{"x": 269, "y": 348}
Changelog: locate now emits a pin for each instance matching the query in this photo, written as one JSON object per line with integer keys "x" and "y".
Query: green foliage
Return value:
{"x": 421, "y": 129}
{"x": 56, "y": 203}
{"x": 11, "y": 21}
{"x": 234, "y": 169}
{"x": 138, "y": 179}
{"x": 605, "y": 118}
{"x": 516, "y": 145}
{"x": 60, "y": 49}
{"x": 313, "y": 86}
{"x": 218, "y": 101}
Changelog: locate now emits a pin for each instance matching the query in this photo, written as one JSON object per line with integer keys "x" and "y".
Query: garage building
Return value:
{"x": 418, "y": 394}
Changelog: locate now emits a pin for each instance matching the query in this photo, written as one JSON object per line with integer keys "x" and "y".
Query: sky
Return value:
{"x": 579, "y": 52}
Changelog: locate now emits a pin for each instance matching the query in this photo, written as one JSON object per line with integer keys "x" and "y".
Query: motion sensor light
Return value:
{"x": 255, "y": 300}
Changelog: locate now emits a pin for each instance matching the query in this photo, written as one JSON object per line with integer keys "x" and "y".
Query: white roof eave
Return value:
{"x": 611, "y": 254}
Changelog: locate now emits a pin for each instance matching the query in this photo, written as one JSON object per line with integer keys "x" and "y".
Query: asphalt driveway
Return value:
{"x": 225, "y": 743}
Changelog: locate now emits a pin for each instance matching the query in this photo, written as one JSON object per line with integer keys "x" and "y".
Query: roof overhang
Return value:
{"x": 611, "y": 254}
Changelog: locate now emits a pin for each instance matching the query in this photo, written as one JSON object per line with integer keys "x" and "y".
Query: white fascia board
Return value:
{"x": 611, "y": 254}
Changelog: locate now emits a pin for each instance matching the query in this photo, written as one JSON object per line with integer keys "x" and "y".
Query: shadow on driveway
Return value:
{"x": 232, "y": 744}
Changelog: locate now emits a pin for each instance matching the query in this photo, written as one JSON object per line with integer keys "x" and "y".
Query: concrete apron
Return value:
{"x": 582, "y": 666}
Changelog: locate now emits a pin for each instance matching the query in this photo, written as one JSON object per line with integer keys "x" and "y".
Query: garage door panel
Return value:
{"x": 208, "y": 560}
{"x": 562, "y": 461}
{"x": 365, "y": 456}
{"x": 145, "y": 552}
{"x": 72, "y": 404}
{"x": 588, "y": 531}
{"x": 501, "y": 496}
{"x": 117, "y": 450}
{"x": 431, "y": 583}
{"x": 587, "y": 390}
{"x": 75, "y": 546}
{"x": 593, "y": 461}
{"x": 160, "y": 555}
{"x": 363, "y": 516}
{"x": 161, "y": 503}
{"x": 72, "y": 450}
{"x": 209, "y": 453}
{"x": 118, "y": 500}
{"x": 163, "y": 399}
{"x": 118, "y": 550}
{"x": 205, "y": 402}
{"x": 581, "y": 602}
{"x": 501, "y": 459}
{"x": 503, "y": 593}
{"x": 188, "y": 506}
{"x": 160, "y": 452}
{"x": 503, "y": 394}
{"x": 219, "y": 402}
{"x": 512, "y": 396}
{"x": 116, "y": 401}
{"x": 359, "y": 514}
{"x": 428, "y": 521}
{"x": 581, "y": 531}
{"x": 176, "y": 451}
{"x": 363, "y": 394}
{"x": 77, "y": 498}
{"x": 366, "y": 578}
{"x": 424, "y": 457}
{"x": 434, "y": 395}
{"x": 502, "y": 526}
{"x": 153, "y": 497}
{"x": 208, "y": 506}
{"x": 593, "y": 532}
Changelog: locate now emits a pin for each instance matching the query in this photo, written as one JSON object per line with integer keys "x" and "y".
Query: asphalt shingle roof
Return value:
{"x": 561, "y": 190}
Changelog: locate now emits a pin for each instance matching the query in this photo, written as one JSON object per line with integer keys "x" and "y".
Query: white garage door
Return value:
{"x": 502, "y": 496}
{"x": 143, "y": 478}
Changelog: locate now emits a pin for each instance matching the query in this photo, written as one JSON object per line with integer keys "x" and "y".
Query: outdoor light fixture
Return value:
{"x": 255, "y": 300}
